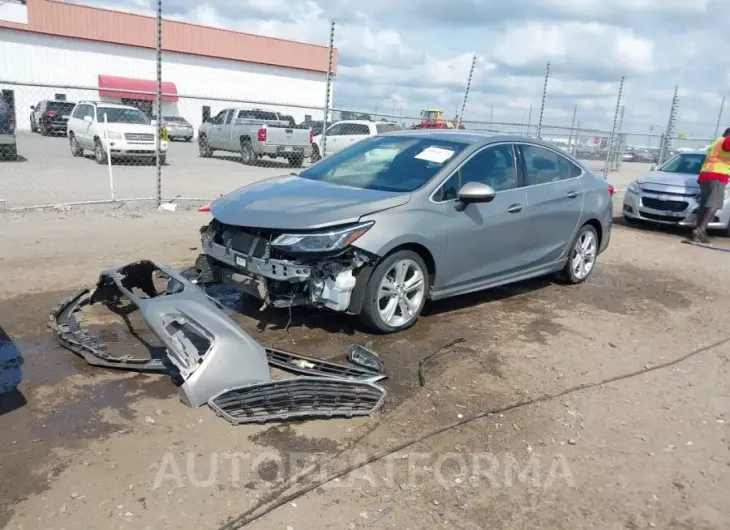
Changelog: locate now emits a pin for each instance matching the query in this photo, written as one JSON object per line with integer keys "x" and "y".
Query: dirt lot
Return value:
{"x": 592, "y": 426}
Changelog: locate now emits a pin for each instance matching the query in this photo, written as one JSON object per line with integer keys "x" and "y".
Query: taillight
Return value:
{"x": 50, "y": 113}
{"x": 311, "y": 136}
{"x": 610, "y": 190}
{"x": 262, "y": 135}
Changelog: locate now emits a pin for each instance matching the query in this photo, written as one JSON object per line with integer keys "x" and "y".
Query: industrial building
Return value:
{"x": 51, "y": 50}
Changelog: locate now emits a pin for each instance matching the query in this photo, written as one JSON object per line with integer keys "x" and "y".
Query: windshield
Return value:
{"x": 118, "y": 115}
{"x": 386, "y": 163}
{"x": 61, "y": 106}
{"x": 689, "y": 163}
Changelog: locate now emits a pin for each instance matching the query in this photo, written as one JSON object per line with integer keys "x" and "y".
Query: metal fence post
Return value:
{"x": 620, "y": 145}
{"x": 158, "y": 139}
{"x": 466, "y": 92}
{"x": 328, "y": 89}
{"x": 544, "y": 95}
{"x": 613, "y": 129}
{"x": 572, "y": 124}
{"x": 529, "y": 120}
{"x": 719, "y": 117}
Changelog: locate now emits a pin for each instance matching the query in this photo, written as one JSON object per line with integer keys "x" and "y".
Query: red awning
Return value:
{"x": 130, "y": 88}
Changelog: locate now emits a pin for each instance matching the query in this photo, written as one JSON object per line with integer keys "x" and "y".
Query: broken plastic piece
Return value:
{"x": 303, "y": 365}
{"x": 366, "y": 358}
{"x": 298, "y": 397}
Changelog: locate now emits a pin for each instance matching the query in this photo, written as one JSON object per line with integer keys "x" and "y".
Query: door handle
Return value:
{"x": 572, "y": 194}
{"x": 515, "y": 208}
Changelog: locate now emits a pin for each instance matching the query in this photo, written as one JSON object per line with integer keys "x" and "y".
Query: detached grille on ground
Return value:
{"x": 299, "y": 397}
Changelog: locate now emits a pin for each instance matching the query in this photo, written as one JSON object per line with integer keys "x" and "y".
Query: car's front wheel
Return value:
{"x": 99, "y": 153}
{"x": 582, "y": 256}
{"x": 74, "y": 144}
{"x": 396, "y": 292}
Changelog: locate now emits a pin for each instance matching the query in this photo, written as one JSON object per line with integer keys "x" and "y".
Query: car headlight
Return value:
{"x": 326, "y": 241}
{"x": 633, "y": 187}
{"x": 111, "y": 135}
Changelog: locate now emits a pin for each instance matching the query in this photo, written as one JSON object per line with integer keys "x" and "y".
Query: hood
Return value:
{"x": 294, "y": 203}
{"x": 686, "y": 180}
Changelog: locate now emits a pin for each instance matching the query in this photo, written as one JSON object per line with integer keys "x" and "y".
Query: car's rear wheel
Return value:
{"x": 315, "y": 156}
{"x": 204, "y": 147}
{"x": 248, "y": 157}
{"x": 75, "y": 147}
{"x": 582, "y": 256}
{"x": 395, "y": 293}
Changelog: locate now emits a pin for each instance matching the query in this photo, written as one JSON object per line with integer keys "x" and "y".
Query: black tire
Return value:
{"x": 296, "y": 161}
{"x": 76, "y": 149}
{"x": 568, "y": 275}
{"x": 44, "y": 131}
{"x": 248, "y": 157}
{"x": 203, "y": 147}
{"x": 315, "y": 156}
{"x": 189, "y": 139}
{"x": 99, "y": 154}
{"x": 370, "y": 313}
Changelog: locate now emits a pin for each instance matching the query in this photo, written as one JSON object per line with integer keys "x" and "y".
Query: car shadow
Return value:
{"x": 262, "y": 162}
{"x": 648, "y": 226}
{"x": 276, "y": 319}
{"x": 9, "y": 160}
{"x": 127, "y": 163}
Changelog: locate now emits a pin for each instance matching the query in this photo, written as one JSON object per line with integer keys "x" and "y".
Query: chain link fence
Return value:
{"x": 85, "y": 144}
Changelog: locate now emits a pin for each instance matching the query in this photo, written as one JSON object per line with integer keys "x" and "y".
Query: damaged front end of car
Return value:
{"x": 288, "y": 268}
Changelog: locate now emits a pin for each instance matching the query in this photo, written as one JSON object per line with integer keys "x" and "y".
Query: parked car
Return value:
{"x": 254, "y": 133}
{"x": 177, "y": 127}
{"x": 669, "y": 195}
{"x": 125, "y": 130}
{"x": 344, "y": 133}
{"x": 50, "y": 116}
{"x": 316, "y": 126}
{"x": 632, "y": 154}
{"x": 8, "y": 144}
{"x": 397, "y": 219}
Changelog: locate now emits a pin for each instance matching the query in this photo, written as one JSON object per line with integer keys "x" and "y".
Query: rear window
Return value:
{"x": 387, "y": 127}
{"x": 258, "y": 115}
{"x": 62, "y": 106}
{"x": 175, "y": 119}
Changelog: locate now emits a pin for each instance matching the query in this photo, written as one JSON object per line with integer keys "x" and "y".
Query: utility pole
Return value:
{"x": 572, "y": 124}
{"x": 544, "y": 95}
{"x": 466, "y": 92}
{"x": 613, "y": 130}
{"x": 719, "y": 117}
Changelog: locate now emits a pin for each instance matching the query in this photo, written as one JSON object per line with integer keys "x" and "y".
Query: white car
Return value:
{"x": 345, "y": 133}
{"x": 122, "y": 130}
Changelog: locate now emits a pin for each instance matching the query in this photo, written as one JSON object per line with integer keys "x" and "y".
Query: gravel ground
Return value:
{"x": 573, "y": 411}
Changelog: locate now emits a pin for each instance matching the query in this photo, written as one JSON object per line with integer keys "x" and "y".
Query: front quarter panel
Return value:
{"x": 407, "y": 225}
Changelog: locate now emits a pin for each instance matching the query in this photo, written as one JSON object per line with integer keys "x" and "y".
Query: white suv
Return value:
{"x": 344, "y": 133}
{"x": 122, "y": 130}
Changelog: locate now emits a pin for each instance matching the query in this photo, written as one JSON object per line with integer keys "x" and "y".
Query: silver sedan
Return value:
{"x": 669, "y": 195}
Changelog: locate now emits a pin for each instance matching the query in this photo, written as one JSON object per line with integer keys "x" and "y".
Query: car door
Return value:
{"x": 352, "y": 133}
{"x": 554, "y": 202}
{"x": 485, "y": 241}
{"x": 334, "y": 133}
{"x": 215, "y": 133}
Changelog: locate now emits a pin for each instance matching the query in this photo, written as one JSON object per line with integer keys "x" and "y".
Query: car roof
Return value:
{"x": 467, "y": 136}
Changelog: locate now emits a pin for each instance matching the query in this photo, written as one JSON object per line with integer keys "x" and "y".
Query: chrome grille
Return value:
{"x": 139, "y": 137}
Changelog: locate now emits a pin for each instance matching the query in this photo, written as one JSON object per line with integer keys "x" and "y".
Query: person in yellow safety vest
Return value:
{"x": 713, "y": 179}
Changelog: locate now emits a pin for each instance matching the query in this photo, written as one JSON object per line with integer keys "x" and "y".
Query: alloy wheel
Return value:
{"x": 401, "y": 292}
{"x": 583, "y": 256}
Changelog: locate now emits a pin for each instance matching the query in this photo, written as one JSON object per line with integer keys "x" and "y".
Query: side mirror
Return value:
{"x": 32, "y": 107}
{"x": 476, "y": 192}
{"x": 89, "y": 119}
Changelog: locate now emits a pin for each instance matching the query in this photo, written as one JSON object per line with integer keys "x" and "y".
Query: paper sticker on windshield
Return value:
{"x": 437, "y": 155}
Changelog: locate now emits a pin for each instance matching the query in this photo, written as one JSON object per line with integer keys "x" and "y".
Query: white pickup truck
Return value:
{"x": 254, "y": 133}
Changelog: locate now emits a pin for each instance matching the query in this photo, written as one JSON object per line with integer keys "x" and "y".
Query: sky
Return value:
{"x": 405, "y": 56}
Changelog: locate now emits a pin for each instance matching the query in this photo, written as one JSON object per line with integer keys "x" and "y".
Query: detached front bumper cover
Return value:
{"x": 217, "y": 361}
